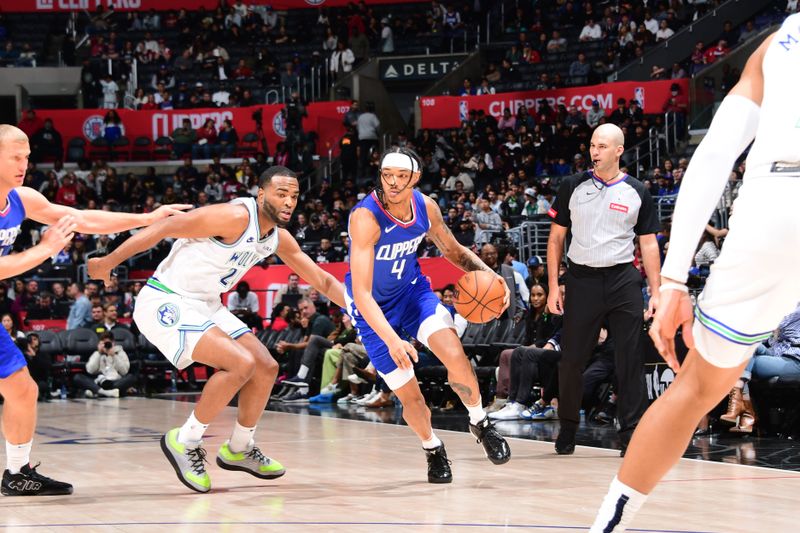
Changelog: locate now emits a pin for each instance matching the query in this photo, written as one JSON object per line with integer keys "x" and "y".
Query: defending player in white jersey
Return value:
{"x": 753, "y": 283}
{"x": 180, "y": 312}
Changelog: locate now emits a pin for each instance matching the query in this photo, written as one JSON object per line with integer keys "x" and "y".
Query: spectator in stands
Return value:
{"x": 43, "y": 309}
{"x": 707, "y": 253}
{"x": 342, "y": 60}
{"x": 485, "y": 87}
{"x": 97, "y": 322}
{"x": 107, "y": 371}
{"x": 113, "y": 128}
{"x": 359, "y": 44}
{"x": 749, "y": 30}
{"x": 11, "y": 329}
{"x": 39, "y": 365}
{"x": 109, "y": 89}
{"x": 244, "y": 304}
{"x": 183, "y": 139}
{"x": 30, "y": 123}
{"x": 368, "y": 127}
{"x": 487, "y": 222}
{"x": 327, "y": 253}
{"x": 591, "y": 31}
{"x": 717, "y": 52}
{"x": 664, "y": 31}
{"x": 290, "y": 293}
{"x": 387, "y": 37}
{"x": 595, "y": 114}
{"x": 46, "y": 143}
{"x": 579, "y": 70}
{"x": 205, "y": 146}
{"x": 5, "y": 302}
{"x": 80, "y": 313}
{"x": 557, "y": 43}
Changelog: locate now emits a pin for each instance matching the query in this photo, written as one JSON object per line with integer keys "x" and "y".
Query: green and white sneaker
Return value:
{"x": 187, "y": 462}
{"x": 251, "y": 461}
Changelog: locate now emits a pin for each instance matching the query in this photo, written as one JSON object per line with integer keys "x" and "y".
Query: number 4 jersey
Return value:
{"x": 204, "y": 268}
{"x": 395, "y": 267}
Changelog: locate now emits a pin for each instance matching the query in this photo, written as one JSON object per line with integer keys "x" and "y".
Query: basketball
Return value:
{"x": 479, "y": 296}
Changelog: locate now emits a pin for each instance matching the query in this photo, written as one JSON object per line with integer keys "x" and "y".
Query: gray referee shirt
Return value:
{"x": 603, "y": 219}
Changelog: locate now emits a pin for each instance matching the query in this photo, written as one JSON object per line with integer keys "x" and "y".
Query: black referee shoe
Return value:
{"x": 438, "y": 465}
{"x": 565, "y": 442}
{"x": 29, "y": 482}
{"x": 495, "y": 446}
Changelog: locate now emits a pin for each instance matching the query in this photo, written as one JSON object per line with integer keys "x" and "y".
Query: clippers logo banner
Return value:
{"x": 323, "y": 117}
{"x": 439, "y": 112}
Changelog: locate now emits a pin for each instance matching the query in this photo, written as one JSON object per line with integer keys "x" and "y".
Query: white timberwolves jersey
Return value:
{"x": 778, "y": 135}
{"x": 204, "y": 268}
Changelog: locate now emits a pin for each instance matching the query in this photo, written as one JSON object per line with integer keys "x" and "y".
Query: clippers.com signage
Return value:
{"x": 63, "y": 6}
{"x": 449, "y": 111}
{"x": 325, "y": 118}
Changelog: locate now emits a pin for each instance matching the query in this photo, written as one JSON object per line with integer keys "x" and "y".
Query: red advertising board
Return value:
{"x": 440, "y": 112}
{"x": 64, "y": 6}
{"x": 323, "y": 117}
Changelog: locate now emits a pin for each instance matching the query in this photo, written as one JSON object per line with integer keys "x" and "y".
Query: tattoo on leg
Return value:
{"x": 463, "y": 391}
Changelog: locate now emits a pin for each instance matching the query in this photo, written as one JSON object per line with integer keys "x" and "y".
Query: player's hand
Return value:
{"x": 402, "y": 352}
{"x": 653, "y": 305}
{"x": 674, "y": 311}
{"x": 59, "y": 234}
{"x": 506, "y": 297}
{"x": 168, "y": 210}
{"x": 100, "y": 268}
{"x": 554, "y": 302}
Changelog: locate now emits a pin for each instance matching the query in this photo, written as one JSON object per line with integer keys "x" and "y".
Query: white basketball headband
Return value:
{"x": 399, "y": 160}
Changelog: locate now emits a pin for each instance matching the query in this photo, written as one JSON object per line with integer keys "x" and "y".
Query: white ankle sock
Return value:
{"x": 432, "y": 442}
{"x": 619, "y": 507}
{"x": 476, "y": 412}
{"x": 241, "y": 438}
{"x": 192, "y": 431}
{"x": 303, "y": 372}
{"x": 17, "y": 456}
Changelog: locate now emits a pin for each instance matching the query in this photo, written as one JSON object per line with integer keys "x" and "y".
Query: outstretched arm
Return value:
{"x": 53, "y": 240}
{"x": 459, "y": 255}
{"x": 291, "y": 254}
{"x": 40, "y": 209}
{"x": 364, "y": 234}
{"x": 226, "y": 221}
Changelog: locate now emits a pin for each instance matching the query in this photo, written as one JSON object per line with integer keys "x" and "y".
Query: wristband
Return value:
{"x": 671, "y": 286}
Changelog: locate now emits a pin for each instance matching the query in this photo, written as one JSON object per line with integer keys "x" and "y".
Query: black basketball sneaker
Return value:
{"x": 29, "y": 482}
{"x": 495, "y": 446}
{"x": 438, "y": 465}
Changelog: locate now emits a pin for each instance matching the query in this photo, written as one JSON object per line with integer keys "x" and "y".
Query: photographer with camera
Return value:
{"x": 293, "y": 115}
{"x": 107, "y": 370}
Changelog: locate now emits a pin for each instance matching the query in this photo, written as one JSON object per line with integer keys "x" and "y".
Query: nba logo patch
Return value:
{"x": 279, "y": 125}
{"x": 93, "y": 127}
{"x": 168, "y": 315}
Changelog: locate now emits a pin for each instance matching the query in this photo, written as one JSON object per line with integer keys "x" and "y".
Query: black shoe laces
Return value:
{"x": 485, "y": 429}
{"x": 196, "y": 457}
{"x": 256, "y": 454}
{"x": 439, "y": 457}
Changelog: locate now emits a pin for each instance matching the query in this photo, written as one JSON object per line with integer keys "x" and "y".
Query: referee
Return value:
{"x": 605, "y": 209}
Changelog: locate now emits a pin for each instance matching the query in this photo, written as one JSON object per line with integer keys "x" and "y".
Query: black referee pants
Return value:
{"x": 594, "y": 296}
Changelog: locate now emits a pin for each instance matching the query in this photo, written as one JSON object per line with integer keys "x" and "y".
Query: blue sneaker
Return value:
{"x": 548, "y": 413}
{"x": 531, "y": 411}
{"x": 325, "y": 397}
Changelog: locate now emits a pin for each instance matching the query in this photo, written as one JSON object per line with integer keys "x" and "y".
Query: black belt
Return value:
{"x": 587, "y": 268}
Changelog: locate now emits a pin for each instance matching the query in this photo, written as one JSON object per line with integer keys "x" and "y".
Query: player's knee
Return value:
{"x": 245, "y": 365}
{"x": 268, "y": 365}
{"x": 25, "y": 391}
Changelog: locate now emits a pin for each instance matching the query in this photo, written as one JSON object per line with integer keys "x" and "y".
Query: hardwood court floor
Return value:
{"x": 354, "y": 476}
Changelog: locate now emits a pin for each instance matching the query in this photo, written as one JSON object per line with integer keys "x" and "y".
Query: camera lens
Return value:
{"x": 107, "y": 345}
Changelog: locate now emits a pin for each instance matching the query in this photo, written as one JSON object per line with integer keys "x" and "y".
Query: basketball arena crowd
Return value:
{"x": 489, "y": 176}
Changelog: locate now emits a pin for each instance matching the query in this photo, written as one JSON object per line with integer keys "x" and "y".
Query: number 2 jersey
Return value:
{"x": 204, "y": 268}
{"x": 395, "y": 267}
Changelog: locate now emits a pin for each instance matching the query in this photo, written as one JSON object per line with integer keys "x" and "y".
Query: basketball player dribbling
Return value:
{"x": 388, "y": 297}
{"x": 753, "y": 283}
{"x": 180, "y": 312}
{"x": 17, "y": 388}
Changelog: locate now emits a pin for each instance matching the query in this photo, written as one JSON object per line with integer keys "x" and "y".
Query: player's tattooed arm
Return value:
{"x": 443, "y": 238}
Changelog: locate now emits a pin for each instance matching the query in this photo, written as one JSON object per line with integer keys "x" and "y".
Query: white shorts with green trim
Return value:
{"x": 755, "y": 282}
{"x": 175, "y": 324}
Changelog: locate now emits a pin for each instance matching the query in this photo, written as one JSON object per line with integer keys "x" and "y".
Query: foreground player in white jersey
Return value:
{"x": 180, "y": 312}
{"x": 753, "y": 283}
